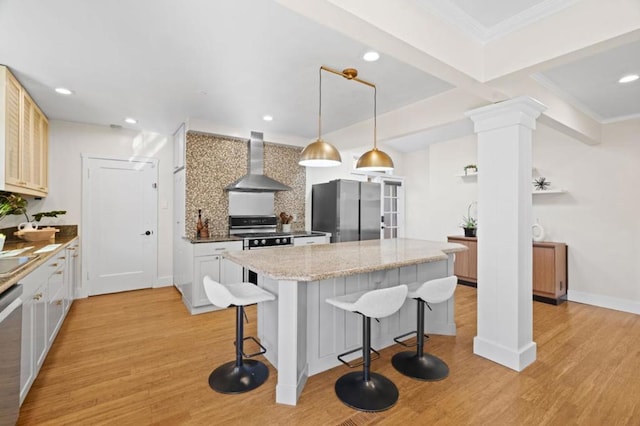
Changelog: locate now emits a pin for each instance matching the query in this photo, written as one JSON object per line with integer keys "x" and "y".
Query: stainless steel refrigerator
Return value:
{"x": 349, "y": 209}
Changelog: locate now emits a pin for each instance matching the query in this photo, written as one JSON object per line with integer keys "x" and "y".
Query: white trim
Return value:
{"x": 166, "y": 281}
{"x": 469, "y": 25}
{"x": 615, "y": 303}
{"x": 621, "y": 118}
{"x": 547, "y": 83}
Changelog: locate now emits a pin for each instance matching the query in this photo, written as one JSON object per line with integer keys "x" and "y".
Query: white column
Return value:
{"x": 505, "y": 318}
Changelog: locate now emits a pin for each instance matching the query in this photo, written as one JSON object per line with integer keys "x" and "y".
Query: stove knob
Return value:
{"x": 255, "y": 242}
{"x": 263, "y": 242}
{"x": 278, "y": 240}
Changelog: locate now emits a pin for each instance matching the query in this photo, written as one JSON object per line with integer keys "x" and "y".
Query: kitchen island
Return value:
{"x": 303, "y": 334}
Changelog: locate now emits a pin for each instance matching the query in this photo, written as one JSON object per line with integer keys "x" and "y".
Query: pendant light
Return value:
{"x": 320, "y": 153}
{"x": 375, "y": 160}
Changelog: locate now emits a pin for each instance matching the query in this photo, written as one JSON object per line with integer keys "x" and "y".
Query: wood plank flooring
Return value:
{"x": 139, "y": 358}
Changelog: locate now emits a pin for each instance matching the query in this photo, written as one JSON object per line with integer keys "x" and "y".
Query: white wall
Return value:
{"x": 67, "y": 143}
{"x": 596, "y": 217}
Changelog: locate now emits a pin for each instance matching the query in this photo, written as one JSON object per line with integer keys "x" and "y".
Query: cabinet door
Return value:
{"x": 12, "y": 130}
{"x": 204, "y": 265}
{"x": 26, "y": 146}
{"x": 40, "y": 145}
{"x": 181, "y": 263}
{"x": 179, "y": 144}
{"x": 55, "y": 305}
{"x": 71, "y": 275}
{"x": 40, "y": 325}
{"x": 27, "y": 360}
{"x": 466, "y": 263}
{"x": 230, "y": 272}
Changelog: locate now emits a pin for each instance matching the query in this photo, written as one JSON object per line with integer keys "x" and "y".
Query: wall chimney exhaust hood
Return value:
{"x": 255, "y": 180}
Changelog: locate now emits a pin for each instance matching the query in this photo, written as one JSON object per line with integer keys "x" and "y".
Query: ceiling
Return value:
{"x": 231, "y": 62}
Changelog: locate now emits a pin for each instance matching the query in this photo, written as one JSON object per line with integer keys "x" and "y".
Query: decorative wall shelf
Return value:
{"x": 468, "y": 175}
{"x": 549, "y": 191}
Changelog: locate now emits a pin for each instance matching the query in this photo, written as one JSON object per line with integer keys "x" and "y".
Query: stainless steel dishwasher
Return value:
{"x": 11, "y": 342}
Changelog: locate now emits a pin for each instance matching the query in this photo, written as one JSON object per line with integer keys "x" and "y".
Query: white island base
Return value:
{"x": 303, "y": 334}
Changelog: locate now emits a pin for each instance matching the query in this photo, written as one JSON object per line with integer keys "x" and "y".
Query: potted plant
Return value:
{"x": 14, "y": 204}
{"x": 469, "y": 223}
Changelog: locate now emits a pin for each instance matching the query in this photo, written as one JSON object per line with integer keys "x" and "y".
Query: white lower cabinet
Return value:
{"x": 206, "y": 259}
{"x": 46, "y": 300}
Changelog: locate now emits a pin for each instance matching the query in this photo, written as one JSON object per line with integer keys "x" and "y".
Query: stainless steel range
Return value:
{"x": 258, "y": 232}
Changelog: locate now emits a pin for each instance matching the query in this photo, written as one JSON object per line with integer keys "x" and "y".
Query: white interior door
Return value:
{"x": 119, "y": 206}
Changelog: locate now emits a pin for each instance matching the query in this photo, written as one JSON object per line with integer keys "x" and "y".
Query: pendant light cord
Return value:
{"x": 375, "y": 115}
{"x": 320, "y": 104}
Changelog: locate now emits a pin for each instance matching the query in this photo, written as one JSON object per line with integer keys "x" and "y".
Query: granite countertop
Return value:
{"x": 224, "y": 237}
{"x": 63, "y": 240}
{"x": 322, "y": 261}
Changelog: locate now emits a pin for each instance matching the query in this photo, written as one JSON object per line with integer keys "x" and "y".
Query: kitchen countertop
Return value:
{"x": 225, "y": 237}
{"x": 63, "y": 240}
{"x": 323, "y": 261}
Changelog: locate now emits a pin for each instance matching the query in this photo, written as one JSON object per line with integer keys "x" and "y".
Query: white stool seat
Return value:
{"x": 237, "y": 294}
{"x": 420, "y": 365}
{"x": 366, "y": 390}
{"x": 372, "y": 303}
{"x": 433, "y": 291}
{"x": 241, "y": 375}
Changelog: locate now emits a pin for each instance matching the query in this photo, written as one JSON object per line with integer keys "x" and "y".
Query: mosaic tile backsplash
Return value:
{"x": 213, "y": 162}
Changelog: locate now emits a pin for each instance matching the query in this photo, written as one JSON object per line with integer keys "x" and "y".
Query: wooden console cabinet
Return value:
{"x": 549, "y": 268}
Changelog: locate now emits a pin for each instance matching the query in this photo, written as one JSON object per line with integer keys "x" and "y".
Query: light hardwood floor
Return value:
{"x": 139, "y": 358}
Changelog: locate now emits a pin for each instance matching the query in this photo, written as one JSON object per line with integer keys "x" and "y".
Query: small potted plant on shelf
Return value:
{"x": 470, "y": 169}
{"x": 469, "y": 223}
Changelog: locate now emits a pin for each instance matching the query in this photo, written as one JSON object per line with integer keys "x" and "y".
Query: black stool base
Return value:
{"x": 228, "y": 378}
{"x": 427, "y": 367}
{"x": 377, "y": 394}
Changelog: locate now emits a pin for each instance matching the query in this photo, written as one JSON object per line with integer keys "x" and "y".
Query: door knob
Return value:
{"x": 147, "y": 233}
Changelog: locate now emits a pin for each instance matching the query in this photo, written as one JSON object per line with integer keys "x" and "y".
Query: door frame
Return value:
{"x": 400, "y": 212}
{"x": 83, "y": 291}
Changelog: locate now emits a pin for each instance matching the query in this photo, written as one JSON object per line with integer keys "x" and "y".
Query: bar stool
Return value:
{"x": 364, "y": 390}
{"x": 241, "y": 375}
{"x": 420, "y": 365}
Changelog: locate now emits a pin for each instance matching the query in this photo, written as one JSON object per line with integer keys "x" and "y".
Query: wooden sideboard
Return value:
{"x": 549, "y": 268}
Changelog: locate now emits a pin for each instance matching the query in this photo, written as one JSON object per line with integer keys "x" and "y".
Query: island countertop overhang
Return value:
{"x": 323, "y": 261}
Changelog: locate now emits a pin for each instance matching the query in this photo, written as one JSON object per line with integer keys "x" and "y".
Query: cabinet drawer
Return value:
{"x": 305, "y": 241}
{"x": 209, "y": 249}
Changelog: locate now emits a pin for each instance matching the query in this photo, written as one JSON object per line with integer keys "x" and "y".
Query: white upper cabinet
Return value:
{"x": 179, "y": 145}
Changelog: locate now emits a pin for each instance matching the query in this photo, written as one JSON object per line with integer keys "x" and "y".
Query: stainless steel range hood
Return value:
{"x": 255, "y": 180}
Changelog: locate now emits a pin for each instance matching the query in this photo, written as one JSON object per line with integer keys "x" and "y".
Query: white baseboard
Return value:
{"x": 165, "y": 281}
{"x": 608, "y": 302}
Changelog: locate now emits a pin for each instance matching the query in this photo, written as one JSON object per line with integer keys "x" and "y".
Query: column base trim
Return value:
{"x": 517, "y": 360}
{"x": 286, "y": 394}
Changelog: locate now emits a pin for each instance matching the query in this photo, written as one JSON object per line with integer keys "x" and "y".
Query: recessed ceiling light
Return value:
{"x": 63, "y": 91}
{"x": 267, "y": 118}
{"x": 371, "y": 56}
{"x": 629, "y": 78}
{"x": 130, "y": 120}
